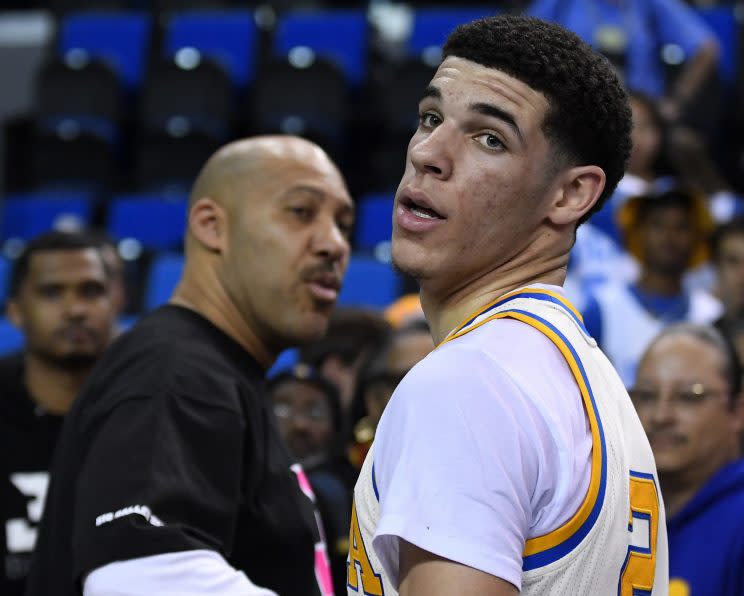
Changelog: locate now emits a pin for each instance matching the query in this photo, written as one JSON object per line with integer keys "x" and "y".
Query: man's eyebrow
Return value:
{"x": 317, "y": 193}
{"x": 493, "y": 111}
{"x": 432, "y": 91}
{"x": 304, "y": 188}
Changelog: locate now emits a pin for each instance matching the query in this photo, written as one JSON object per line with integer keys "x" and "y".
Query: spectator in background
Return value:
{"x": 308, "y": 410}
{"x": 667, "y": 232}
{"x": 380, "y": 375}
{"x": 727, "y": 252}
{"x": 171, "y": 476}
{"x": 688, "y": 397}
{"x": 60, "y": 298}
{"x": 352, "y": 334}
{"x": 309, "y": 414}
{"x": 632, "y": 32}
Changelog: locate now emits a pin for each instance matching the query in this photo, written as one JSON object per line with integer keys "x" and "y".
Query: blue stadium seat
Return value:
{"x": 724, "y": 23}
{"x": 338, "y": 36}
{"x": 119, "y": 39}
{"x": 432, "y": 26}
{"x": 157, "y": 222}
{"x": 27, "y": 215}
{"x": 11, "y": 339}
{"x": 229, "y": 38}
{"x": 374, "y": 221}
{"x": 369, "y": 282}
{"x": 162, "y": 279}
{"x": 79, "y": 98}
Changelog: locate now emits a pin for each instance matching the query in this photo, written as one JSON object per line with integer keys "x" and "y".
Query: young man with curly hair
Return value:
{"x": 510, "y": 459}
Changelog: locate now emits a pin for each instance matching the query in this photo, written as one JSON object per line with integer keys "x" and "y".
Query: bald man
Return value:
{"x": 170, "y": 476}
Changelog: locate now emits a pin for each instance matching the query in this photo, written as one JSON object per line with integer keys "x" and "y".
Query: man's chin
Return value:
{"x": 668, "y": 464}
{"x": 411, "y": 267}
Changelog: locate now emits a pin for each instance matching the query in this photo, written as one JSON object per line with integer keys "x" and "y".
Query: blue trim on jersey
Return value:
{"x": 551, "y": 555}
{"x": 374, "y": 483}
{"x": 536, "y": 296}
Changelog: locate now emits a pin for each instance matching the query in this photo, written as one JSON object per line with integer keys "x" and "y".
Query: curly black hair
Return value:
{"x": 589, "y": 119}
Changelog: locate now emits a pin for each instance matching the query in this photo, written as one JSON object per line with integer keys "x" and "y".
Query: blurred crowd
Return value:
{"x": 667, "y": 250}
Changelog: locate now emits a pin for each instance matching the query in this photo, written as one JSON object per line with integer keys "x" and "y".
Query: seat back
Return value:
{"x": 230, "y": 38}
{"x": 119, "y": 39}
{"x": 341, "y": 36}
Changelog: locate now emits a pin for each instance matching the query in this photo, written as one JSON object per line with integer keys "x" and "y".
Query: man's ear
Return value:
{"x": 208, "y": 224}
{"x": 578, "y": 192}
{"x": 13, "y": 313}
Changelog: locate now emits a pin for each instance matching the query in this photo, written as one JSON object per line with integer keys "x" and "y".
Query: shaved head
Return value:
{"x": 258, "y": 160}
{"x": 269, "y": 222}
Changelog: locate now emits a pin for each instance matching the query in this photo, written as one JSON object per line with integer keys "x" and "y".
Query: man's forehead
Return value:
{"x": 672, "y": 348}
{"x": 490, "y": 80}
{"x": 48, "y": 262}
{"x": 318, "y": 179}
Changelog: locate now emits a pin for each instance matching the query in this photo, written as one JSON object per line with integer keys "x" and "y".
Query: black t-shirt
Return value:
{"x": 171, "y": 446}
{"x": 27, "y": 439}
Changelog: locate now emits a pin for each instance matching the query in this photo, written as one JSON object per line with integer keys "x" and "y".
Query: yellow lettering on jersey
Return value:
{"x": 640, "y": 568}
{"x": 359, "y": 566}
{"x": 679, "y": 587}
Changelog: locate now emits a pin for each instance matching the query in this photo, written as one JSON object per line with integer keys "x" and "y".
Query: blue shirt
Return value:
{"x": 647, "y": 24}
{"x": 706, "y": 538}
{"x": 669, "y": 309}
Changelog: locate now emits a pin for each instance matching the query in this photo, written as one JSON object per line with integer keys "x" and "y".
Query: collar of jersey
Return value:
{"x": 483, "y": 314}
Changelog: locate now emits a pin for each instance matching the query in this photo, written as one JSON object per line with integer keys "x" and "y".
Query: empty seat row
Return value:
{"x": 208, "y": 59}
{"x": 230, "y": 38}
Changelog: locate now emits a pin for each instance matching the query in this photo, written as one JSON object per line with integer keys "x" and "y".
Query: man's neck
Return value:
{"x": 679, "y": 488}
{"x": 445, "y": 313}
{"x": 211, "y": 301}
{"x": 661, "y": 284}
{"x": 676, "y": 495}
{"x": 51, "y": 385}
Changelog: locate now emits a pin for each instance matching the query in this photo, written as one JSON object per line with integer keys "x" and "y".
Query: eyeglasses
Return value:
{"x": 316, "y": 413}
{"x": 688, "y": 399}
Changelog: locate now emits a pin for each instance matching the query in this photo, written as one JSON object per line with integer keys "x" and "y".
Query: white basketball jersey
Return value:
{"x": 615, "y": 543}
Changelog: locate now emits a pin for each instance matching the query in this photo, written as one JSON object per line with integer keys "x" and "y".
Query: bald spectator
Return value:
{"x": 171, "y": 476}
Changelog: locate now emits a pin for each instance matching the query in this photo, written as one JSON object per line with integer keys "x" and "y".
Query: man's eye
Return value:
{"x": 93, "y": 290}
{"x": 49, "y": 291}
{"x": 490, "y": 141}
{"x": 429, "y": 120}
{"x": 346, "y": 228}
{"x": 301, "y": 212}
